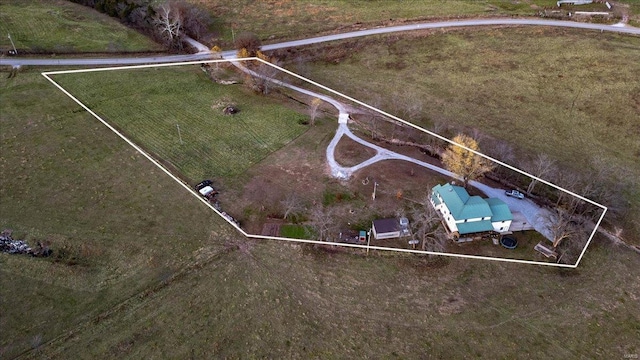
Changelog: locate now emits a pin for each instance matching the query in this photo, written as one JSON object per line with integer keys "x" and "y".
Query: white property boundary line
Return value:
{"x": 188, "y": 188}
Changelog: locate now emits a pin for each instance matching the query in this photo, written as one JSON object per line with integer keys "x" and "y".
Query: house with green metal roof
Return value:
{"x": 464, "y": 214}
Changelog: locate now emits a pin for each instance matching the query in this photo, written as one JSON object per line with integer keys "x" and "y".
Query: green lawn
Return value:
{"x": 149, "y": 105}
{"x": 294, "y": 231}
{"x": 63, "y": 27}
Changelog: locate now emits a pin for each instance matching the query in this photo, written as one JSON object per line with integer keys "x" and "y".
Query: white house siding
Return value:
{"x": 505, "y": 225}
{"x": 382, "y": 236}
{"x": 469, "y": 220}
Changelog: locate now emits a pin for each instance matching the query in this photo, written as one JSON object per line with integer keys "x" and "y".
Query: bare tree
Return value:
{"x": 196, "y": 20}
{"x": 292, "y": 206}
{"x": 249, "y": 42}
{"x": 541, "y": 166}
{"x": 313, "y": 110}
{"x": 323, "y": 223}
{"x": 560, "y": 225}
{"x": 567, "y": 180}
{"x": 168, "y": 21}
{"x": 426, "y": 227}
{"x": 502, "y": 151}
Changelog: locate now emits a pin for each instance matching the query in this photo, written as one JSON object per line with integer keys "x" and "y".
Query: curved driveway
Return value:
{"x": 619, "y": 28}
{"x": 530, "y": 210}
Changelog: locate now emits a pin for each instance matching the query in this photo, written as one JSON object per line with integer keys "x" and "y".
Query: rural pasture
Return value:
{"x": 152, "y": 272}
{"x": 299, "y": 19}
{"x": 58, "y": 26}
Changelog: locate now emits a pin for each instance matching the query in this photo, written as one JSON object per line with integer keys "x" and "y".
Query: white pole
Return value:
{"x": 368, "y": 241}
{"x": 15, "y": 51}
{"x": 375, "y": 186}
{"x": 179, "y": 135}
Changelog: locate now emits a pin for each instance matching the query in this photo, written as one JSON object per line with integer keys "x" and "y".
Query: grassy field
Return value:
{"x": 162, "y": 277}
{"x": 63, "y": 27}
{"x": 281, "y": 301}
{"x": 69, "y": 181}
{"x": 294, "y": 231}
{"x": 571, "y": 95}
{"x": 210, "y": 143}
{"x": 297, "y": 19}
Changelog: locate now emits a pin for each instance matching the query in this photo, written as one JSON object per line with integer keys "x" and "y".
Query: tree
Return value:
{"x": 323, "y": 223}
{"x": 464, "y": 163}
{"x": 196, "y": 20}
{"x": 249, "y": 42}
{"x": 541, "y": 166}
{"x": 426, "y": 227}
{"x": 313, "y": 110}
{"x": 292, "y": 206}
{"x": 168, "y": 21}
{"x": 560, "y": 226}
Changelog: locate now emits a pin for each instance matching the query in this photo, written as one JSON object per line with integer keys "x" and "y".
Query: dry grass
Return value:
{"x": 283, "y": 301}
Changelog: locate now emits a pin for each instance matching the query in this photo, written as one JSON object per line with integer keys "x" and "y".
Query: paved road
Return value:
{"x": 202, "y": 55}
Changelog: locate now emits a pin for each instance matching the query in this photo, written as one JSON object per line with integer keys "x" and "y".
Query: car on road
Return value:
{"x": 514, "y": 193}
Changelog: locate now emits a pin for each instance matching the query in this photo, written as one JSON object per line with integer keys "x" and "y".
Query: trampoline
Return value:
{"x": 509, "y": 242}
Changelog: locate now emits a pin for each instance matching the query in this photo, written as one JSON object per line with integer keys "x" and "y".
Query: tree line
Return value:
{"x": 166, "y": 22}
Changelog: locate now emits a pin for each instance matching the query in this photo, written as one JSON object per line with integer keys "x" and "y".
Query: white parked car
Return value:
{"x": 514, "y": 193}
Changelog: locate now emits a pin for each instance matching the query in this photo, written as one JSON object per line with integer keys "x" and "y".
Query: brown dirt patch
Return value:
{"x": 271, "y": 228}
{"x": 350, "y": 153}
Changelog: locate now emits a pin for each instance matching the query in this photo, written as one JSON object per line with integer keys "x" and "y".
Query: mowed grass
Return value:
{"x": 572, "y": 95}
{"x": 64, "y": 27}
{"x": 294, "y": 231}
{"x": 150, "y": 105}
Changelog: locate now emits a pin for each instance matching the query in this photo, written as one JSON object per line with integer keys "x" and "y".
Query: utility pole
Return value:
{"x": 375, "y": 186}
{"x": 15, "y": 51}
{"x": 179, "y": 135}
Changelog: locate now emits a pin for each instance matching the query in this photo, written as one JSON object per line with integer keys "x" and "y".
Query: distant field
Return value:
{"x": 63, "y": 27}
{"x": 297, "y": 19}
{"x": 150, "y": 105}
{"x": 568, "y": 94}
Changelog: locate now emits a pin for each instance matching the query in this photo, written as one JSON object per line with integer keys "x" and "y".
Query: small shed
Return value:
{"x": 386, "y": 229}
